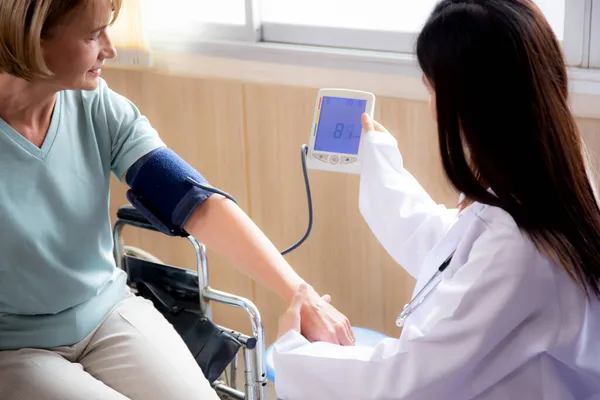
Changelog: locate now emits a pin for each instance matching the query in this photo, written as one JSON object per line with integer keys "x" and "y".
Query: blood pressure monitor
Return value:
{"x": 337, "y": 131}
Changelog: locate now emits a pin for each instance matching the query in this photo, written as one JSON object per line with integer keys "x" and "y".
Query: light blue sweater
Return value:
{"x": 58, "y": 279}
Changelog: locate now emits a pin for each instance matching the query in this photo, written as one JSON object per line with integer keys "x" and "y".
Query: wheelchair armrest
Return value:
{"x": 251, "y": 310}
{"x": 129, "y": 213}
{"x": 243, "y": 340}
{"x": 236, "y": 301}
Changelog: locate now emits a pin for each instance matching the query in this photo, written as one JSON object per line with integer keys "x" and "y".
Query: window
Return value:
{"x": 129, "y": 38}
{"x": 595, "y": 35}
{"x": 376, "y": 25}
{"x": 389, "y": 25}
{"x": 206, "y": 19}
{"x": 575, "y": 29}
{"x": 384, "y": 25}
{"x": 554, "y": 10}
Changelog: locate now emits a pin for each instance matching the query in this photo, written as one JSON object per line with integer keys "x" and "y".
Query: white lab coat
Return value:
{"x": 505, "y": 323}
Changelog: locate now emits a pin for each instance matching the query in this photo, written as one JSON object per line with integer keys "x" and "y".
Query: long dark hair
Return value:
{"x": 504, "y": 124}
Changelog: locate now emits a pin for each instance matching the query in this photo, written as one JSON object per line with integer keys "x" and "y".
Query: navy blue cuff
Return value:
{"x": 162, "y": 191}
{"x": 188, "y": 205}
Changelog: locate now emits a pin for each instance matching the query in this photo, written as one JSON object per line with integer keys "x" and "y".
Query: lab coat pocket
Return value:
{"x": 433, "y": 315}
{"x": 429, "y": 311}
{"x": 438, "y": 306}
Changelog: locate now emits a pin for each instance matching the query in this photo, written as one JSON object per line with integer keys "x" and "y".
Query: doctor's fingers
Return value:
{"x": 379, "y": 127}
{"x": 298, "y": 299}
{"x": 371, "y": 125}
{"x": 290, "y": 320}
{"x": 367, "y": 123}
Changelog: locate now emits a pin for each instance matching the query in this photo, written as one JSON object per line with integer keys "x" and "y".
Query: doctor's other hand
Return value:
{"x": 371, "y": 125}
{"x": 321, "y": 322}
{"x": 290, "y": 320}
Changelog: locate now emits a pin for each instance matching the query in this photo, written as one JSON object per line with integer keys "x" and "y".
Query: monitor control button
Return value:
{"x": 321, "y": 157}
{"x": 334, "y": 160}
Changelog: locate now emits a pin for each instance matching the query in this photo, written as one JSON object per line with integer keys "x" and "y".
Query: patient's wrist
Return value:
{"x": 292, "y": 288}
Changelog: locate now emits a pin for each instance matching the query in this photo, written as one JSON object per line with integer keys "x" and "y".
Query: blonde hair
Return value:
{"x": 23, "y": 25}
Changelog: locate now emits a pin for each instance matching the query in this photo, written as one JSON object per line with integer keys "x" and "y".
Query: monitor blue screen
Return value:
{"x": 340, "y": 125}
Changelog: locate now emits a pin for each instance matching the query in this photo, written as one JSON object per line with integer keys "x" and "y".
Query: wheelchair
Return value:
{"x": 184, "y": 297}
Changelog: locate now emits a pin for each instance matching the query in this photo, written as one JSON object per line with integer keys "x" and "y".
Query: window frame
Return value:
{"x": 594, "y": 58}
{"x": 335, "y": 44}
{"x": 576, "y": 31}
{"x": 576, "y": 34}
{"x": 341, "y": 38}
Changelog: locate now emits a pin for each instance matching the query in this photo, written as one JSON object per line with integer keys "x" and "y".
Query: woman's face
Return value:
{"x": 75, "y": 51}
{"x": 432, "y": 105}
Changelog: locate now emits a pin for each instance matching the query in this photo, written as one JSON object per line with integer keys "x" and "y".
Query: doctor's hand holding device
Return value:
{"x": 336, "y": 135}
{"x": 507, "y": 297}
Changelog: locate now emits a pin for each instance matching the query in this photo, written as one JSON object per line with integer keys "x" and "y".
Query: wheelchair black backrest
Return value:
{"x": 180, "y": 283}
{"x": 174, "y": 292}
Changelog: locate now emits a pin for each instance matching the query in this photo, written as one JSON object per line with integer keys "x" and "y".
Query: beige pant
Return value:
{"x": 134, "y": 354}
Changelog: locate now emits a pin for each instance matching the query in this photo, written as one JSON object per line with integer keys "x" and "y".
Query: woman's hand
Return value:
{"x": 316, "y": 318}
{"x": 321, "y": 322}
{"x": 371, "y": 125}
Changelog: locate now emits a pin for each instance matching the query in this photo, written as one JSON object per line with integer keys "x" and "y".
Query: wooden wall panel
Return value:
{"x": 590, "y": 129}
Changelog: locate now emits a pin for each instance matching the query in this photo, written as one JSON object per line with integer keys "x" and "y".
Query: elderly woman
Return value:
{"x": 69, "y": 327}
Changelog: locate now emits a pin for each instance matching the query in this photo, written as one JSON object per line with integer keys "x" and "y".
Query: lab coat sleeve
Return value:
{"x": 399, "y": 212}
{"x": 486, "y": 323}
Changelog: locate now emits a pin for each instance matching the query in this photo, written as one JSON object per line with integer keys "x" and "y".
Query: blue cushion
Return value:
{"x": 364, "y": 337}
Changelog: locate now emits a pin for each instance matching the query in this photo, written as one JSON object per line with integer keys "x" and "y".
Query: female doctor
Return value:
{"x": 515, "y": 313}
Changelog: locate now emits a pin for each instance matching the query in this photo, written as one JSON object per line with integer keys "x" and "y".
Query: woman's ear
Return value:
{"x": 432, "y": 99}
{"x": 432, "y": 105}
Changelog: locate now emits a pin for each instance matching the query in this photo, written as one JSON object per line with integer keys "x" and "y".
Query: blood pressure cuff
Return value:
{"x": 160, "y": 190}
